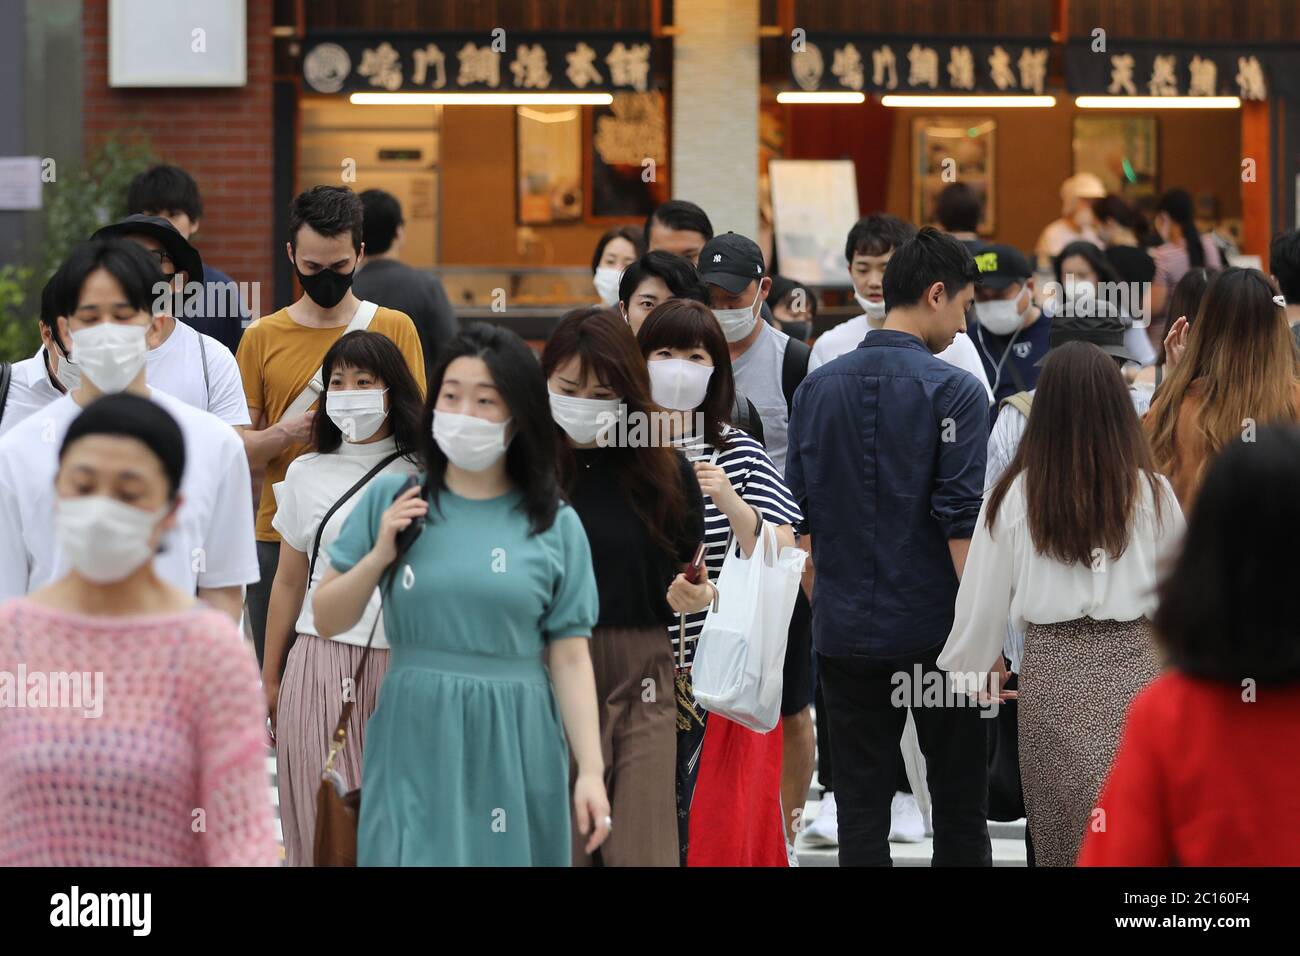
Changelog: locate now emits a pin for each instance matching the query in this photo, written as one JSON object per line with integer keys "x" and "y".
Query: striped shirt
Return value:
{"x": 756, "y": 480}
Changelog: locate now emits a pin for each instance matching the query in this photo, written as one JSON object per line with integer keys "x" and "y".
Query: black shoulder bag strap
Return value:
{"x": 6, "y": 375}
{"x": 794, "y": 369}
{"x": 320, "y": 529}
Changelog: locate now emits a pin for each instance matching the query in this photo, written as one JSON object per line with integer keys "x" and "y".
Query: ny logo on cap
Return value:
{"x": 717, "y": 257}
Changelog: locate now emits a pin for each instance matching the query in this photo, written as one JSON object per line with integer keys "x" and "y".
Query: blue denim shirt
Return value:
{"x": 886, "y": 461}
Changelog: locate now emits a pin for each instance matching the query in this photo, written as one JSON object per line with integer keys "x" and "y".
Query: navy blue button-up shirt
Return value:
{"x": 886, "y": 460}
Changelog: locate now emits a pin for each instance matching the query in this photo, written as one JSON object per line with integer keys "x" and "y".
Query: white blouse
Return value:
{"x": 1005, "y": 577}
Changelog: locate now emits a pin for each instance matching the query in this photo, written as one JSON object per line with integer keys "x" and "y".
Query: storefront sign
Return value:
{"x": 833, "y": 63}
{"x": 1171, "y": 69}
{"x": 411, "y": 63}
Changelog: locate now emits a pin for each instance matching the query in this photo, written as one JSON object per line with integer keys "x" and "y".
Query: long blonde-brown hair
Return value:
{"x": 1241, "y": 356}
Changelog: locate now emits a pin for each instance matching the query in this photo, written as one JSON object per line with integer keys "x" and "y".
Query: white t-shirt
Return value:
{"x": 310, "y": 487}
{"x": 846, "y": 336}
{"x": 212, "y": 545}
{"x": 758, "y": 376}
{"x": 30, "y": 390}
{"x": 176, "y": 367}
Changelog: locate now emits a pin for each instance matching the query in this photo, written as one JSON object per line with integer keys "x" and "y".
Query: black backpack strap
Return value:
{"x": 6, "y": 376}
{"x": 320, "y": 529}
{"x": 207, "y": 385}
{"x": 794, "y": 369}
{"x": 745, "y": 417}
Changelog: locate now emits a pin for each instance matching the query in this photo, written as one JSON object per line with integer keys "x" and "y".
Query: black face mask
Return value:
{"x": 796, "y": 330}
{"x": 327, "y": 287}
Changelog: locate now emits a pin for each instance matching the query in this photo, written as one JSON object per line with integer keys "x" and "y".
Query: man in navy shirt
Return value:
{"x": 171, "y": 193}
{"x": 1011, "y": 334}
{"x": 886, "y": 459}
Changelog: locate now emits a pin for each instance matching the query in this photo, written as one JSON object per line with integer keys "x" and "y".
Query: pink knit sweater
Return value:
{"x": 171, "y": 773}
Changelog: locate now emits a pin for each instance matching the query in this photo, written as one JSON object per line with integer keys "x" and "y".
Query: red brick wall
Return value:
{"x": 222, "y": 137}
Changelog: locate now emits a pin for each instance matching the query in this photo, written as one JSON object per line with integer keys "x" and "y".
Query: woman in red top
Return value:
{"x": 1206, "y": 771}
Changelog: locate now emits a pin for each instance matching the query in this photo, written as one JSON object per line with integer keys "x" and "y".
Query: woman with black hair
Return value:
{"x": 654, "y": 278}
{"x": 617, "y": 249}
{"x": 640, "y": 504}
{"x": 1205, "y": 773}
{"x": 1121, "y": 228}
{"x": 371, "y": 427}
{"x": 1068, "y": 545}
{"x": 1183, "y": 247}
{"x": 488, "y": 606}
{"x": 149, "y": 748}
{"x": 736, "y": 816}
{"x": 1092, "y": 282}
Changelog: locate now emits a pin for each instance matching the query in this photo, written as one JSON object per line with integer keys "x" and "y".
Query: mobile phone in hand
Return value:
{"x": 406, "y": 537}
{"x": 696, "y": 567}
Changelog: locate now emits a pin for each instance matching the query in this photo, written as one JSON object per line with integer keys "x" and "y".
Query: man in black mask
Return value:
{"x": 280, "y": 357}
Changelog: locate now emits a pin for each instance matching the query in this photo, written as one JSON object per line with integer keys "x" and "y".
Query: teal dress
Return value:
{"x": 465, "y": 758}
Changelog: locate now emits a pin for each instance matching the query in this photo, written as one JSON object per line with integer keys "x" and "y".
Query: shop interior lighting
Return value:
{"x": 798, "y": 96}
{"x": 481, "y": 99}
{"x": 1157, "y": 102}
{"x": 939, "y": 101}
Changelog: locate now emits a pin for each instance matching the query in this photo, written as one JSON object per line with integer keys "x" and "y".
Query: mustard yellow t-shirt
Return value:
{"x": 277, "y": 358}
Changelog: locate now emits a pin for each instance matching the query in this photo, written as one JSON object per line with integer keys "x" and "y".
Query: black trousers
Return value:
{"x": 257, "y": 597}
{"x": 865, "y": 727}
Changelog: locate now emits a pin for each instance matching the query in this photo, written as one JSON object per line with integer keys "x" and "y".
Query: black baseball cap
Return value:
{"x": 183, "y": 255}
{"x": 1000, "y": 265}
{"x": 731, "y": 261}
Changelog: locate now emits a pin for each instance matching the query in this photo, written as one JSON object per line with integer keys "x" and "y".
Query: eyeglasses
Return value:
{"x": 162, "y": 257}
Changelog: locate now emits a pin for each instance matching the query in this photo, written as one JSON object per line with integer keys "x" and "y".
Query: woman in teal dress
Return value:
{"x": 492, "y": 605}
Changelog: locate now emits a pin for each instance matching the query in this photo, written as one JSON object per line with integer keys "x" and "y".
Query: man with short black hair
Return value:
{"x": 958, "y": 210}
{"x": 37, "y": 381}
{"x": 1284, "y": 264}
{"x": 385, "y": 279}
{"x": 171, "y": 193}
{"x": 679, "y": 227}
{"x": 886, "y": 459}
{"x": 1011, "y": 333}
{"x": 280, "y": 356}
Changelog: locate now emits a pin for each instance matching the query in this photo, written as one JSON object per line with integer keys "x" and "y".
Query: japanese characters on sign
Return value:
{"x": 409, "y": 63}
{"x": 1170, "y": 69}
{"x": 921, "y": 65}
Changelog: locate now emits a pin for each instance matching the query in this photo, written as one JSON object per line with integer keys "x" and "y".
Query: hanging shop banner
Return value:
{"x": 908, "y": 64}
{"x": 1121, "y": 68}
{"x": 421, "y": 63}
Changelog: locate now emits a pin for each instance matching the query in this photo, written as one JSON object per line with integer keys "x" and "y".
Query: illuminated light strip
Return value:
{"x": 481, "y": 99}
{"x": 1157, "y": 102}
{"x": 961, "y": 102}
{"x": 793, "y": 96}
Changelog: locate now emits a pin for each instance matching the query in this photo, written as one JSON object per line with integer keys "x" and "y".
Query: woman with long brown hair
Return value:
{"x": 644, "y": 515}
{"x": 1240, "y": 371}
{"x": 1068, "y": 545}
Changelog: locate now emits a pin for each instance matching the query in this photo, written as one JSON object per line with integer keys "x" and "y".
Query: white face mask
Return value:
{"x": 679, "y": 384}
{"x": 469, "y": 442}
{"x": 104, "y": 539}
{"x": 737, "y": 323}
{"x": 1001, "y": 316}
{"x": 606, "y": 282}
{"x": 358, "y": 412}
{"x": 67, "y": 372}
{"x": 110, "y": 354}
{"x": 584, "y": 419}
{"x": 875, "y": 310}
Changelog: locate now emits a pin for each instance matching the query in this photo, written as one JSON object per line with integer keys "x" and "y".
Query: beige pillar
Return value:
{"x": 715, "y": 100}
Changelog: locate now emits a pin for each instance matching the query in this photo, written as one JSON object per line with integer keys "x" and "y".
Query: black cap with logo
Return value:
{"x": 1001, "y": 265}
{"x": 731, "y": 261}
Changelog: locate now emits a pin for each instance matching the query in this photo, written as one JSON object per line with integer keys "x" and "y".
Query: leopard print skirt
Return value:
{"x": 1076, "y": 683}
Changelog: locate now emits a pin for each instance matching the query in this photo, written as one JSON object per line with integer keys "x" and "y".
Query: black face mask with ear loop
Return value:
{"x": 327, "y": 287}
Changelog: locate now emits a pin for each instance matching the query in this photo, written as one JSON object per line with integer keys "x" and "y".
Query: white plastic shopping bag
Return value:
{"x": 740, "y": 656}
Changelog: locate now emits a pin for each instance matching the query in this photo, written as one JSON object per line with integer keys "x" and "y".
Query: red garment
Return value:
{"x": 736, "y": 809}
{"x": 1202, "y": 778}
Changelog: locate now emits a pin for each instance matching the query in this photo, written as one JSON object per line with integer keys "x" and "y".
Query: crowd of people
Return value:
{"x": 435, "y": 564}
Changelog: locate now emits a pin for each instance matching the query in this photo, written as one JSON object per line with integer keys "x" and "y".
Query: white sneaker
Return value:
{"x": 905, "y": 822}
{"x": 825, "y": 829}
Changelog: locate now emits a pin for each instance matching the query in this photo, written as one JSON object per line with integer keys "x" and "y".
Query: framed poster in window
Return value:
{"x": 548, "y": 164}
{"x": 952, "y": 149}
{"x": 1120, "y": 151}
{"x": 627, "y": 150}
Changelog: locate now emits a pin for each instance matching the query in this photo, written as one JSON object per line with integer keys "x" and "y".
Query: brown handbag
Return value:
{"x": 337, "y": 810}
